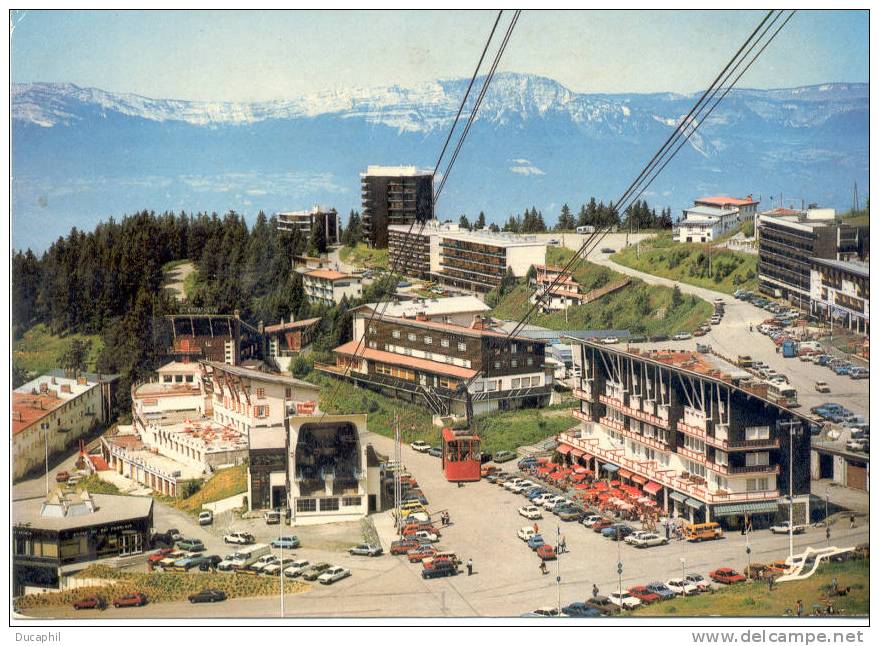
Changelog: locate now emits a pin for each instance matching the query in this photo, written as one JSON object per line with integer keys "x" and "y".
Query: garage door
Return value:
{"x": 856, "y": 476}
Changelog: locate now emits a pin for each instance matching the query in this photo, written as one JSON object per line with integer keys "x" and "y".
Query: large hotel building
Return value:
{"x": 394, "y": 195}
{"x": 705, "y": 444}
{"x": 472, "y": 260}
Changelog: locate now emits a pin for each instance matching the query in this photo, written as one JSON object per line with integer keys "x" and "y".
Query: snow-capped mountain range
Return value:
{"x": 80, "y": 154}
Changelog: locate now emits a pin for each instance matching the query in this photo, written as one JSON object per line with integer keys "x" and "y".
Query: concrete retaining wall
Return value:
{"x": 227, "y": 504}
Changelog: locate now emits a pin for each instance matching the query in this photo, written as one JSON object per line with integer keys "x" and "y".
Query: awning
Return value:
{"x": 625, "y": 474}
{"x": 577, "y": 453}
{"x": 762, "y": 507}
{"x": 674, "y": 495}
{"x": 652, "y": 487}
{"x": 639, "y": 479}
{"x": 692, "y": 502}
{"x": 610, "y": 467}
{"x": 564, "y": 448}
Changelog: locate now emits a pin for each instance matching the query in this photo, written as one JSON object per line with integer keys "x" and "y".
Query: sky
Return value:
{"x": 264, "y": 55}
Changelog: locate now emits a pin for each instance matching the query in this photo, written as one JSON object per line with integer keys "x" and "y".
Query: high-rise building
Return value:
{"x": 394, "y": 195}
{"x": 304, "y": 222}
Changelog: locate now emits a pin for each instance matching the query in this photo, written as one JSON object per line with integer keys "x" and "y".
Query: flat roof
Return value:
{"x": 710, "y": 211}
{"x": 723, "y": 200}
{"x": 291, "y": 325}
{"x": 39, "y": 397}
{"x": 448, "y": 327}
{"x": 431, "y": 306}
{"x": 317, "y": 209}
{"x": 350, "y": 348}
{"x": 395, "y": 171}
{"x": 107, "y": 509}
{"x": 499, "y": 239}
{"x": 329, "y": 274}
{"x": 857, "y": 268}
{"x": 258, "y": 375}
{"x": 179, "y": 366}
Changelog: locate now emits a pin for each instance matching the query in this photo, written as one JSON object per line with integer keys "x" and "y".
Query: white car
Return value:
{"x": 525, "y": 533}
{"x": 513, "y": 482}
{"x": 542, "y": 498}
{"x": 610, "y": 340}
{"x": 419, "y": 516}
{"x": 263, "y": 561}
{"x": 549, "y": 503}
{"x": 683, "y": 336}
{"x": 546, "y": 612}
{"x": 335, "y": 573}
{"x": 784, "y": 528}
{"x": 699, "y": 581}
{"x": 240, "y": 538}
{"x": 421, "y": 446}
{"x": 589, "y": 521}
{"x": 531, "y": 512}
{"x": 296, "y": 568}
{"x": 682, "y": 586}
{"x": 626, "y": 601}
{"x": 521, "y": 487}
{"x": 646, "y": 539}
{"x": 424, "y": 536}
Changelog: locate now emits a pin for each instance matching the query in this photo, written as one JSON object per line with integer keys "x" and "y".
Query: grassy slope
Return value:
{"x": 38, "y": 350}
{"x": 755, "y": 599}
{"x": 688, "y": 263}
{"x": 363, "y": 256}
{"x": 619, "y": 310}
{"x": 509, "y": 430}
{"x": 223, "y": 484}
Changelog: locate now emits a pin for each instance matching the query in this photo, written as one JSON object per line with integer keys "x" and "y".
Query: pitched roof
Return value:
{"x": 435, "y": 367}
{"x": 723, "y": 200}
{"x": 292, "y": 325}
{"x": 327, "y": 274}
{"x": 449, "y": 327}
{"x": 28, "y": 408}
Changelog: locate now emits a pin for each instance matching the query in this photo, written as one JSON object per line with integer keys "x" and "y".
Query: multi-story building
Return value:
{"x": 454, "y": 369}
{"x": 50, "y": 413}
{"x": 458, "y": 310}
{"x": 840, "y": 292}
{"x": 304, "y": 222}
{"x": 556, "y": 289}
{"x": 789, "y": 243}
{"x": 746, "y": 206}
{"x": 691, "y": 431}
{"x": 711, "y": 217}
{"x": 394, "y": 195}
{"x": 212, "y": 337}
{"x": 287, "y": 339}
{"x": 328, "y": 286}
{"x": 56, "y": 537}
{"x": 414, "y": 250}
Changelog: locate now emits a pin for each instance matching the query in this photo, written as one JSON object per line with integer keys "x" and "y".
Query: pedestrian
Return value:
{"x": 799, "y": 607}
{"x": 594, "y": 590}
{"x": 563, "y": 545}
{"x": 469, "y": 567}
{"x": 771, "y": 583}
{"x": 536, "y": 529}
{"x": 542, "y": 567}
{"x": 667, "y": 531}
{"x": 852, "y": 524}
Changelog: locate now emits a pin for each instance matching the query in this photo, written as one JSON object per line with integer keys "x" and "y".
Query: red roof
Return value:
{"x": 27, "y": 408}
{"x": 328, "y": 274}
{"x": 350, "y": 348}
{"x": 723, "y": 200}
{"x": 99, "y": 463}
{"x": 449, "y": 434}
{"x": 652, "y": 487}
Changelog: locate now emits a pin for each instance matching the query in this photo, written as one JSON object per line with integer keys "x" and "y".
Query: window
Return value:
{"x": 396, "y": 334}
{"x": 189, "y": 379}
{"x": 757, "y": 484}
{"x": 444, "y": 343}
{"x": 351, "y": 501}
{"x": 462, "y": 347}
{"x": 288, "y": 393}
{"x": 721, "y": 457}
{"x": 757, "y": 459}
{"x": 497, "y": 365}
{"x": 514, "y": 364}
{"x": 514, "y": 347}
{"x": 167, "y": 379}
{"x": 428, "y": 340}
{"x": 535, "y": 381}
{"x": 306, "y": 504}
{"x": 411, "y": 336}
{"x": 329, "y": 504}
{"x": 260, "y": 393}
{"x": 371, "y": 330}
{"x": 757, "y": 433}
{"x": 515, "y": 383}
{"x": 530, "y": 361}
{"x": 478, "y": 387}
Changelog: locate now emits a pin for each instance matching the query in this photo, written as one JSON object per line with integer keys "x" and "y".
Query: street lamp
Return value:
{"x": 558, "y": 575}
{"x": 683, "y": 562}
{"x": 826, "y": 518}
{"x": 619, "y": 568}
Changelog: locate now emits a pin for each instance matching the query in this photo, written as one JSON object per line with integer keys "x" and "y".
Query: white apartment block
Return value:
{"x": 328, "y": 287}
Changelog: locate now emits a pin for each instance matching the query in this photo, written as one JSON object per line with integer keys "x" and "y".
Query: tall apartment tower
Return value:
{"x": 394, "y": 195}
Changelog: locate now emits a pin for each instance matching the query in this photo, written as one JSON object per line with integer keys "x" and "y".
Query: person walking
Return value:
{"x": 594, "y": 590}
{"x": 469, "y": 567}
{"x": 563, "y": 545}
{"x": 542, "y": 567}
{"x": 799, "y": 607}
{"x": 852, "y": 523}
{"x": 536, "y": 529}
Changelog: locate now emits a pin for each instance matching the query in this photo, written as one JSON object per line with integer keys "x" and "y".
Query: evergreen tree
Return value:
{"x": 480, "y": 221}
{"x": 566, "y": 220}
{"x": 463, "y": 222}
{"x": 582, "y": 216}
{"x": 76, "y": 355}
{"x": 318, "y": 241}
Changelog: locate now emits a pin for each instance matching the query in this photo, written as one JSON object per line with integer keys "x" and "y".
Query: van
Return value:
{"x": 702, "y": 532}
{"x": 272, "y": 517}
{"x": 248, "y": 555}
{"x": 745, "y": 361}
{"x": 448, "y": 556}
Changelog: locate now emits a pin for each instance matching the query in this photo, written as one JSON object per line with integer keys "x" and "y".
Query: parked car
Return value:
{"x": 130, "y": 600}
{"x": 62, "y": 476}
{"x": 286, "y": 542}
{"x": 608, "y": 250}
{"x": 403, "y": 546}
{"x": 569, "y": 513}
{"x": 548, "y": 611}
{"x": 664, "y": 592}
{"x": 682, "y": 587}
{"x": 297, "y": 568}
{"x": 158, "y": 555}
{"x": 333, "y": 574}
{"x": 610, "y": 340}
{"x": 209, "y": 563}
{"x": 263, "y": 561}
{"x": 699, "y": 581}
{"x": 525, "y": 533}
{"x": 589, "y": 521}
{"x": 239, "y": 538}
{"x": 315, "y": 571}
{"x": 549, "y": 503}
{"x": 435, "y": 452}
{"x": 504, "y": 456}
{"x": 644, "y": 595}
{"x": 822, "y": 387}
{"x": 208, "y": 595}
{"x": 625, "y": 600}
{"x": 528, "y": 462}
{"x": 683, "y": 336}
{"x": 420, "y": 553}
{"x": 531, "y": 512}
{"x": 726, "y": 575}
{"x": 421, "y": 446}
{"x": 191, "y": 545}
{"x": 784, "y": 527}
{"x": 617, "y": 531}
{"x": 546, "y": 552}
{"x": 859, "y": 373}
{"x": 580, "y": 609}
{"x": 646, "y": 539}
{"x": 206, "y": 517}
{"x": 366, "y": 549}
{"x": 599, "y": 525}
{"x": 603, "y": 605}
{"x": 91, "y": 602}
{"x": 439, "y": 568}
{"x": 535, "y": 541}
{"x": 425, "y": 536}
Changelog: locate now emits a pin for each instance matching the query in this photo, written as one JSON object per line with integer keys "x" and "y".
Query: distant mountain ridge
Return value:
{"x": 81, "y": 154}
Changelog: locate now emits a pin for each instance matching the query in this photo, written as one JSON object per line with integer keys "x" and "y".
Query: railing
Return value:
{"x": 663, "y": 475}
{"x": 725, "y": 469}
{"x": 580, "y": 415}
{"x": 691, "y": 454}
{"x": 631, "y": 412}
{"x": 612, "y": 423}
{"x": 691, "y": 430}
{"x": 741, "y": 445}
{"x": 648, "y": 441}
{"x": 585, "y": 395}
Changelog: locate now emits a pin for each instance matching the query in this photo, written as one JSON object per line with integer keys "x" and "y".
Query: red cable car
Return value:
{"x": 461, "y": 456}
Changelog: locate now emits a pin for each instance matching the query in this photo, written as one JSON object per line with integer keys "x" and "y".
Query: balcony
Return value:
{"x": 585, "y": 395}
{"x": 741, "y": 445}
{"x": 580, "y": 415}
{"x": 693, "y": 431}
{"x": 692, "y": 454}
{"x": 727, "y": 470}
{"x": 614, "y": 424}
{"x": 631, "y": 412}
{"x": 664, "y": 476}
{"x": 647, "y": 441}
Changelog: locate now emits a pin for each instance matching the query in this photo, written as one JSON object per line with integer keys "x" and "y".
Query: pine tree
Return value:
{"x": 480, "y": 221}
{"x": 463, "y": 222}
{"x": 318, "y": 241}
{"x": 566, "y": 220}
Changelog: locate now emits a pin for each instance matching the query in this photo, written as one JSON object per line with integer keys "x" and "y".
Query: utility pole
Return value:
{"x": 558, "y": 574}
{"x": 281, "y": 542}
{"x": 790, "y": 473}
{"x": 47, "y": 460}
{"x": 826, "y": 521}
{"x": 398, "y": 493}
{"x": 619, "y": 569}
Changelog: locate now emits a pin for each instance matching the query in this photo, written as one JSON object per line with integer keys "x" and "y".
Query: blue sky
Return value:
{"x": 254, "y": 56}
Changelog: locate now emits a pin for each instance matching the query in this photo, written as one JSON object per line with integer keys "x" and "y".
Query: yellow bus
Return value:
{"x": 702, "y": 532}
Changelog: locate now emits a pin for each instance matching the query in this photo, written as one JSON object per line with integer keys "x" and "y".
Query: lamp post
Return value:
{"x": 683, "y": 563}
{"x": 826, "y": 521}
{"x": 281, "y": 543}
{"x": 619, "y": 569}
{"x": 47, "y": 459}
{"x": 558, "y": 575}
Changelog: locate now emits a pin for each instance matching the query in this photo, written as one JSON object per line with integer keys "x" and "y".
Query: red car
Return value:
{"x": 546, "y": 552}
{"x": 641, "y": 593}
{"x": 90, "y": 602}
{"x": 726, "y": 575}
{"x": 129, "y": 600}
{"x": 602, "y": 524}
{"x": 421, "y": 553}
{"x": 409, "y": 530}
{"x": 403, "y": 547}
{"x": 158, "y": 555}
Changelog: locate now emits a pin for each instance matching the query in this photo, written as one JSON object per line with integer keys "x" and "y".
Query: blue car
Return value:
{"x": 435, "y": 452}
{"x": 533, "y": 493}
{"x": 580, "y": 609}
{"x": 535, "y": 541}
{"x": 842, "y": 369}
{"x": 662, "y": 590}
{"x": 617, "y": 532}
{"x": 526, "y": 463}
{"x": 286, "y": 542}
